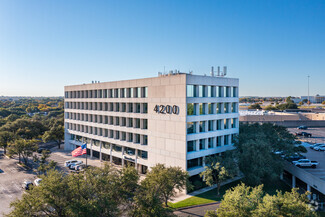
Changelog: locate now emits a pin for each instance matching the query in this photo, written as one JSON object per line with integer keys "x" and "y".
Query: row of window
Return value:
{"x": 198, "y": 162}
{"x": 117, "y": 148}
{"x": 110, "y": 120}
{"x": 109, "y": 106}
{"x": 212, "y": 142}
{"x": 211, "y": 108}
{"x": 211, "y": 91}
{"x": 211, "y": 125}
{"x": 113, "y": 134}
{"x": 132, "y": 92}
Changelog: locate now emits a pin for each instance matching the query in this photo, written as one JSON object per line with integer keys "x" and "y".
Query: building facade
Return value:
{"x": 176, "y": 119}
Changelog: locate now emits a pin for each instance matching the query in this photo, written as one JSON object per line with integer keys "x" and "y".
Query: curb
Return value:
{"x": 200, "y": 205}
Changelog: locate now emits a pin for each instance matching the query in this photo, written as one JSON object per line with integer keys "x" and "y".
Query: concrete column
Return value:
{"x": 91, "y": 148}
{"x": 196, "y": 90}
{"x": 196, "y": 108}
{"x": 122, "y": 156}
{"x": 110, "y": 153}
{"x": 197, "y": 144}
{"x": 222, "y": 91}
{"x": 222, "y": 123}
{"x": 206, "y": 108}
{"x": 214, "y": 108}
{"x": 214, "y": 142}
{"x": 222, "y": 140}
{"x": 197, "y": 127}
{"x": 206, "y": 126}
{"x": 214, "y": 125}
{"x": 222, "y": 107}
{"x": 100, "y": 151}
{"x": 206, "y": 143}
{"x": 136, "y": 159}
{"x": 293, "y": 181}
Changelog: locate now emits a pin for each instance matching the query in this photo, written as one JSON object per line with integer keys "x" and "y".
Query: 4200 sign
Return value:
{"x": 166, "y": 109}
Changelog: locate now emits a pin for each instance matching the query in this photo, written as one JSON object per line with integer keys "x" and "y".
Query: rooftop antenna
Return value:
{"x": 224, "y": 70}
{"x": 218, "y": 71}
{"x": 212, "y": 71}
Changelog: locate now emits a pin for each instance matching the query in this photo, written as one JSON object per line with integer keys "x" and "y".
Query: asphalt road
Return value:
{"x": 318, "y": 134}
{"x": 196, "y": 211}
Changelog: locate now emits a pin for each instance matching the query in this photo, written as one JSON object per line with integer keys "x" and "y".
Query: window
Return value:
{"x": 210, "y": 125}
{"x": 219, "y": 124}
{"x": 106, "y": 145}
{"x": 197, "y": 162}
{"x": 190, "y": 91}
{"x": 202, "y": 126}
{"x": 226, "y": 108}
{"x": 233, "y": 107}
{"x": 144, "y": 140}
{"x": 190, "y": 109}
{"x": 145, "y": 124}
{"x": 220, "y": 91}
{"x": 145, "y": 92}
{"x": 145, "y": 108}
{"x": 129, "y": 151}
{"x": 201, "y": 90}
{"x": 233, "y": 123}
{"x": 210, "y": 143}
{"x": 117, "y": 148}
{"x": 122, "y": 92}
{"x": 210, "y": 108}
{"x": 137, "y": 138}
{"x": 143, "y": 154}
{"x": 218, "y": 141}
{"x": 234, "y": 92}
{"x": 137, "y": 123}
{"x": 130, "y": 138}
{"x": 130, "y": 107}
{"x": 123, "y": 107}
{"x": 226, "y": 137}
{"x": 130, "y": 122}
{"x": 202, "y": 108}
{"x": 138, "y": 95}
{"x": 191, "y": 128}
{"x": 202, "y": 144}
{"x": 191, "y": 146}
{"x": 218, "y": 108}
{"x": 137, "y": 108}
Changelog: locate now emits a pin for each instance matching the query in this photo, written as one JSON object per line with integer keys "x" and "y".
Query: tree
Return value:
{"x": 255, "y": 106}
{"x": 44, "y": 166}
{"x": 56, "y": 133}
{"x": 244, "y": 201}
{"x": 256, "y": 146}
{"x": 289, "y": 99}
{"x": 5, "y": 138}
{"x": 95, "y": 192}
{"x": 218, "y": 169}
{"x": 23, "y": 148}
{"x": 323, "y": 102}
{"x": 301, "y": 103}
{"x": 169, "y": 179}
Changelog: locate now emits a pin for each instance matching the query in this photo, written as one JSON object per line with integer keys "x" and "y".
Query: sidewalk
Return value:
{"x": 183, "y": 196}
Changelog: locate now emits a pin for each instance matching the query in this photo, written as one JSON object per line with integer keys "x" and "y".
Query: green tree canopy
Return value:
{"x": 23, "y": 148}
{"x": 5, "y": 138}
{"x": 256, "y": 148}
{"x": 218, "y": 169}
{"x": 244, "y": 201}
{"x": 255, "y": 106}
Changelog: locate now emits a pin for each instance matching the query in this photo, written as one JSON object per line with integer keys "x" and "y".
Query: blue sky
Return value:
{"x": 270, "y": 45}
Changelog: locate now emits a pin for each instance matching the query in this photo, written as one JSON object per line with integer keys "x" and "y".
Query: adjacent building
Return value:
{"x": 177, "y": 119}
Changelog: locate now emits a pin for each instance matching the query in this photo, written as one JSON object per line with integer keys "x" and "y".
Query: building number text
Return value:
{"x": 166, "y": 109}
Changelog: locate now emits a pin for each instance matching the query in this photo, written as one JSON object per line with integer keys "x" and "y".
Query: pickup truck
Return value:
{"x": 305, "y": 163}
{"x": 304, "y": 134}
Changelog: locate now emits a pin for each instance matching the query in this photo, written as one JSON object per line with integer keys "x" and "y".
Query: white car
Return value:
{"x": 80, "y": 167}
{"x": 69, "y": 162}
{"x": 37, "y": 182}
{"x": 73, "y": 166}
{"x": 320, "y": 148}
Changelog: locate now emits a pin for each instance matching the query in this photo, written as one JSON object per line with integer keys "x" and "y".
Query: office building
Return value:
{"x": 176, "y": 119}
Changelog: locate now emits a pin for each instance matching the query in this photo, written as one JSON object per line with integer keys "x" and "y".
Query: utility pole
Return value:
{"x": 308, "y": 91}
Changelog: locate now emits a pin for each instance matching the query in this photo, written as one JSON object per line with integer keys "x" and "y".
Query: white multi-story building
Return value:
{"x": 176, "y": 119}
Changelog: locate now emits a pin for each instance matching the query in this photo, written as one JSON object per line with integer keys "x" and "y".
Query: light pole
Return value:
{"x": 308, "y": 91}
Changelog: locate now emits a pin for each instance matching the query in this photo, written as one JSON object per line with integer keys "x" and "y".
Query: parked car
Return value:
{"x": 295, "y": 157}
{"x": 305, "y": 163}
{"x": 315, "y": 145}
{"x": 80, "y": 167}
{"x": 320, "y": 148}
{"x": 27, "y": 185}
{"x": 37, "y": 181}
{"x": 72, "y": 166}
{"x": 68, "y": 162}
{"x": 302, "y": 127}
{"x": 304, "y": 134}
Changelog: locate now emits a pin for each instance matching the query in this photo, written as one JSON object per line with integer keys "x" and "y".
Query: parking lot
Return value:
{"x": 13, "y": 176}
{"x": 318, "y": 135}
{"x": 11, "y": 180}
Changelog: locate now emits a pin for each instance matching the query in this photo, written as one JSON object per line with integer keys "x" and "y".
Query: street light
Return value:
{"x": 308, "y": 91}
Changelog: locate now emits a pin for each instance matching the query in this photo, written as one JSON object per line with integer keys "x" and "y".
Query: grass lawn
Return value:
{"x": 211, "y": 196}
